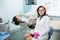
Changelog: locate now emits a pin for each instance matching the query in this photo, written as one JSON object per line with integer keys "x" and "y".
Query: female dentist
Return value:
{"x": 42, "y": 26}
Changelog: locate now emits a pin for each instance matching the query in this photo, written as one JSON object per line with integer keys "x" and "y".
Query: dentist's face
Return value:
{"x": 41, "y": 11}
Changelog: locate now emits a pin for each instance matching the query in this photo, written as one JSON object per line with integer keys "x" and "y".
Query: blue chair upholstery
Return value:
{"x": 50, "y": 33}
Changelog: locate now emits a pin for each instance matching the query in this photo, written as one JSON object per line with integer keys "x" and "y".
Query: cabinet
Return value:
{"x": 4, "y": 27}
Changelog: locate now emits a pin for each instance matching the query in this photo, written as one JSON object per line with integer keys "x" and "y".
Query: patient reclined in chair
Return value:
{"x": 17, "y": 21}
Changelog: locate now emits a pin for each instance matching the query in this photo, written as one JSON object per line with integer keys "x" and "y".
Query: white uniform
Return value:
{"x": 42, "y": 27}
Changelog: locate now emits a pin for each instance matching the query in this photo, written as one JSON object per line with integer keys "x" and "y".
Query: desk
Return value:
{"x": 55, "y": 24}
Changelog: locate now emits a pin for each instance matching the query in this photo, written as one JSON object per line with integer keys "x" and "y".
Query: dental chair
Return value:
{"x": 32, "y": 26}
{"x": 50, "y": 33}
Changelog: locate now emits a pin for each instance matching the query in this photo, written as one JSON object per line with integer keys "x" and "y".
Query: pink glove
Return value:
{"x": 36, "y": 34}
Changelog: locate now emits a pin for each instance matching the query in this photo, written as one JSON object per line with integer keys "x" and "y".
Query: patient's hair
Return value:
{"x": 15, "y": 20}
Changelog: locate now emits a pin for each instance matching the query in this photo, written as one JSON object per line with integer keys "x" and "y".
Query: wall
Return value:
{"x": 8, "y": 9}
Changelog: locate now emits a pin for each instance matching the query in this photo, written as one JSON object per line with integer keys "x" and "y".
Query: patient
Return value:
{"x": 17, "y": 21}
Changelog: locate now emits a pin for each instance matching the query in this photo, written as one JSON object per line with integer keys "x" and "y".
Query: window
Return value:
{"x": 30, "y": 2}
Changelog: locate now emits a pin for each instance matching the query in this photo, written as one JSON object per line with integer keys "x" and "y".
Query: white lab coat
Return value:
{"x": 42, "y": 27}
